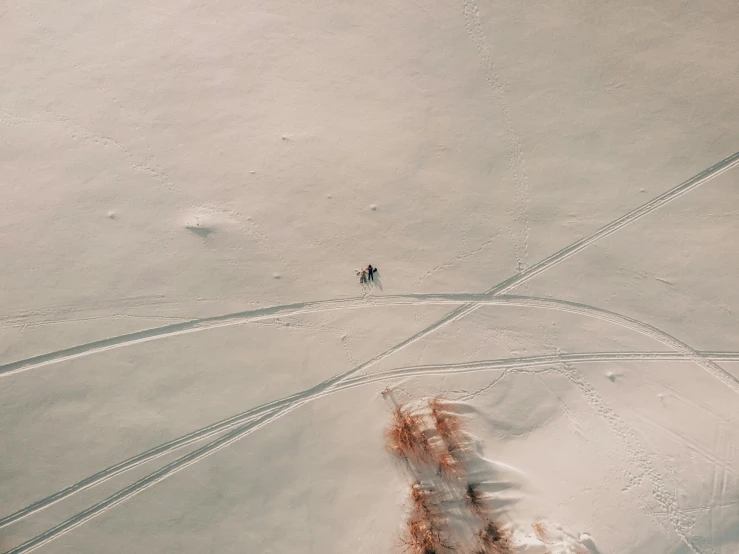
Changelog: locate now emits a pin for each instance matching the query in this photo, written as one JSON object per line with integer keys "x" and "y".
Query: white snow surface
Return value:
{"x": 549, "y": 190}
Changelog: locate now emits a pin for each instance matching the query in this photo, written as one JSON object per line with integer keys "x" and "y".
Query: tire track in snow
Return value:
{"x": 459, "y": 312}
{"x": 258, "y": 417}
{"x": 473, "y": 300}
{"x": 291, "y": 309}
{"x": 274, "y": 409}
{"x": 573, "y": 307}
{"x": 246, "y": 417}
{"x": 628, "y": 218}
{"x": 630, "y": 323}
{"x": 166, "y": 331}
{"x": 532, "y": 361}
{"x": 618, "y": 224}
{"x": 285, "y": 408}
{"x": 279, "y": 408}
{"x": 270, "y": 408}
{"x": 282, "y": 407}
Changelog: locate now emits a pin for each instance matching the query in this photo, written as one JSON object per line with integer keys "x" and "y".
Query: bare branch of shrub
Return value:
{"x": 405, "y": 436}
{"x": 492, "y": 539}
{"x": 449, "y": 425}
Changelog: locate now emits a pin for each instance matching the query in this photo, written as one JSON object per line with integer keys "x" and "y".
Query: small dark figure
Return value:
{"x": 370, "y": 272}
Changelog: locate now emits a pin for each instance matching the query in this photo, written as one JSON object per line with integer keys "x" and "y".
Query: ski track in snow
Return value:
{"x": 291, "y": 309}
{"x": 270, "y": 412}
{"x": 259, "y": 417}
{"x": 505, "y": 366}
{"x": 466, "y": 300}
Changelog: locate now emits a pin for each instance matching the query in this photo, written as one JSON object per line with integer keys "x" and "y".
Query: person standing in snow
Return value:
{"x": 371, "y": 272}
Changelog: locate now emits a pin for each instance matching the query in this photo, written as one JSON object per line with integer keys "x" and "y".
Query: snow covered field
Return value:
{"x": 549, "y": 190}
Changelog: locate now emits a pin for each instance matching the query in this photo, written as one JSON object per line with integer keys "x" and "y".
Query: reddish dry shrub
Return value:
{"x": 540, "y": 531}
{"x": 449, "y": 464}
{"x": 405, "y": 436}
{"x": 475, "y": 499}
{"x": 449, "y": 425}
{"x": 423, "y": 505}
{"x": 424, "y": 537}
{"x": 421, "y": 538}
{"x": 425, "y": 532}
{"x": 492, "y": 540}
